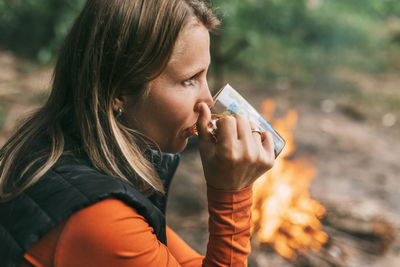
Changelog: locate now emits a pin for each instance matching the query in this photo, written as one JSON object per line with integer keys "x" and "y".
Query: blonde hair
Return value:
{"x": 113, "y": 45}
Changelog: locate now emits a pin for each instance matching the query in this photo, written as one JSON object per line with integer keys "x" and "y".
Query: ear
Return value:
{"x": 118, "y": 103}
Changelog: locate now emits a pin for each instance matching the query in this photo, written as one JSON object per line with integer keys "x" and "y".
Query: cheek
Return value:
{"x": 166, "y": 118}
{"x": 176, "y": 115}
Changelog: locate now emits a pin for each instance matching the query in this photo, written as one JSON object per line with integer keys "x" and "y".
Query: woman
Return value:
{"x": 81, "y": 183}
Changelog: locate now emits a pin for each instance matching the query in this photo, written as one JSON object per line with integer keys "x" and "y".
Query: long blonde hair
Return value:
{"x": 113, "y": 45}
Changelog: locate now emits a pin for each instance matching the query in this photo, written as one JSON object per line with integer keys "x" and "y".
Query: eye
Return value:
{"x": 188, "y": 82}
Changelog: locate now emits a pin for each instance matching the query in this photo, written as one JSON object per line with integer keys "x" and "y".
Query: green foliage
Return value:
{"x": 36, "y": 28}
{"x": 295, "y": 39}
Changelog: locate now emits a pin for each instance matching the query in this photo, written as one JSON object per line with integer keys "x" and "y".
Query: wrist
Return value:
{"x": 229, "y": 195}
{"x": 228, "y": 187}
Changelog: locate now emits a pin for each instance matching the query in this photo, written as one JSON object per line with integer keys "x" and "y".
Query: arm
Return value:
{"x": 229, "y": 227}
{"x": 183, "y": 253}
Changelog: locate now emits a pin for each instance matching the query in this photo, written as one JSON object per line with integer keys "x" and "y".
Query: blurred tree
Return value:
{"x": 272, "y": 39}
{"x": 36, "y": 28}
{"x": 264, "y": 38}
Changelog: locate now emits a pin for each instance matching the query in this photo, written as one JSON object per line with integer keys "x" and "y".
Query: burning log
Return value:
{"x": 350, "y": 237}
{"x": 373, "y": 235}
{"x": 352, "y": 240}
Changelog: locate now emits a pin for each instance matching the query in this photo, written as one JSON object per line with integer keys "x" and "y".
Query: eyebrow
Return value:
{"x": 191, "y": 74}
{"x": 197, "y": 73}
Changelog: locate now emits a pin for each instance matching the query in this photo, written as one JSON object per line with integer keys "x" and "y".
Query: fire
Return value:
{"x": 284, "y": 215}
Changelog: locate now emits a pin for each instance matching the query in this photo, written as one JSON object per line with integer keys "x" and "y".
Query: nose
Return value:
{"x": 206, "y": 95}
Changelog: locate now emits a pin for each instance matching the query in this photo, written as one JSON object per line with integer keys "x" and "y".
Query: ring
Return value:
{"x": 256, "y": 130}
{"x": 260, "y": 132}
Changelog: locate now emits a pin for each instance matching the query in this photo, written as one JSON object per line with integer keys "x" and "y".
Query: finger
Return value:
{"x": 253, "y": 125}
{"x": 257, "y": 134}
{"x": 268, "y": 144}
{"x": 263, "y": 135}
{"x": 258, "y": 138}
{"x": 203, "y": 121}
{"x": 243, "y": 127}
{"x": 226, "y": 129}
{"x": 267, "y": 154}
{"x": 251, "y": 140}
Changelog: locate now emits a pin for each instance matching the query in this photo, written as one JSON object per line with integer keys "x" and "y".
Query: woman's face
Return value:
{"x": 169, "y": 111}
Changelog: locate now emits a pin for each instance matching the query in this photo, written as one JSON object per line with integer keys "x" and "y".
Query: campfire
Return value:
{"x": 300, "y": 229}
{"x": 284, "y": 215}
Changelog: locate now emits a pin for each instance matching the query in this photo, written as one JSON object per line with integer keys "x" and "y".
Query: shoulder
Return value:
{"x": 104, "y": 219}
{"x": 106, "y": 230}
{"x": 105, "y": 211}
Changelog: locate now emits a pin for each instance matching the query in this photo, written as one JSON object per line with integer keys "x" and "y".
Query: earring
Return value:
{"x": 119, "y": 112}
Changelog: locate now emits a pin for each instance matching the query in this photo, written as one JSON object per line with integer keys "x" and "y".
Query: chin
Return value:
{"x": 176, "y": 148}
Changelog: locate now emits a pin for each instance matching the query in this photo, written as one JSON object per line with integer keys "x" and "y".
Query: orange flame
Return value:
{"x": 284, "y": 215}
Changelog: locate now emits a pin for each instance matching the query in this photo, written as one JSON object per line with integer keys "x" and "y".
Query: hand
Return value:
{"x": 237, "y": 157}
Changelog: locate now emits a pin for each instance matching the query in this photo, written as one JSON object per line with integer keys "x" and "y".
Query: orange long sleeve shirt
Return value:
{"x": 110, "y": 233}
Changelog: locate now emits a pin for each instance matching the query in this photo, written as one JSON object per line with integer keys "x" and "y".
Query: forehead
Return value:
{"x": 183, "y": 38}
{"x": 191, "y": 49}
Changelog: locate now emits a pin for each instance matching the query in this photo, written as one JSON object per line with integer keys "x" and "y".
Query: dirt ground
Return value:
{"x": 353, "y": 140}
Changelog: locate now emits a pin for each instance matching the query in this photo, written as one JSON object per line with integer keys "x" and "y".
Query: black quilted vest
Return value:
{"x": 69, "y": 186}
